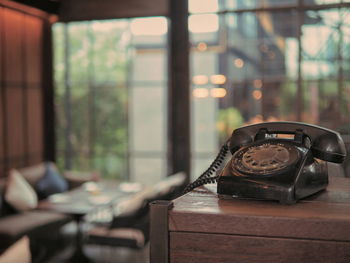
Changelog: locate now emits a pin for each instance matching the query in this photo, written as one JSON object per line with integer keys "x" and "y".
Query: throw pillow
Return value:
{"x": 19, "y": 194}
{"x": 51, "y": 183}
{"x": 33, "y": 173}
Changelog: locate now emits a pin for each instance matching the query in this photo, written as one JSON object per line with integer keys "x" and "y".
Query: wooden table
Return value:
{"x": 199, "y": 227}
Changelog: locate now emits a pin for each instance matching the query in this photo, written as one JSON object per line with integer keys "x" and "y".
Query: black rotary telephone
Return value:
{"x": 284, "y": 161}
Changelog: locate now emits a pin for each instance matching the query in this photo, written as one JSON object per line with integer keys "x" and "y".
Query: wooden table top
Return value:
{"x": 324, "y": 216}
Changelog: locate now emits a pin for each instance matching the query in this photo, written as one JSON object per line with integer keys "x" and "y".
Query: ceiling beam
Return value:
{"x": 49, "y": 6}
{"x": 78, "y": 10}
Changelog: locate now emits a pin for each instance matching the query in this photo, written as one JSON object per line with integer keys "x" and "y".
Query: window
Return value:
{"x": 267, "y": 61}
{"x": 246, "y": 67}
{"x": 110, "y": 79}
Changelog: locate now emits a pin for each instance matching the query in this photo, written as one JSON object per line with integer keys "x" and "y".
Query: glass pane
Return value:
{"x": 78, "y": 51}
{"x": 246, "y": 4}
{"x": 261, "y": 60}
{"x": 153, "y": 26}
{"x": 109, "y": 50}
{"x": 147, "y": 92}
{"x": 286, "y": 103}
{"x": 147, "y": 126}
{"x": 58, "y": 43}
{"x": 204, "y": 124}
{"x": 149, "y": 66}
{"x": 204, "y": 64}
{"x": 320, "y": 45}
{"x": 204, "y": 29}
{"x": 149, "y": 33}
{"x": 147, "y": 170}
{"x": 199, "y": 165}
{"x": 79, "y": 135}
{"x": 265, "y": 77}
{"x": 111, "y": 165}
{"x": 108, "y": 109}
{"x": 325, "y": 69}
{"x": 78, "y": 132}
{"x": 114, "y": 66}
{"x": 322, "y": 2}
{"x": 95, "y": 96}
{"x": 200, "y": 6}
{"x": 203, "y": 23}
{"x": 60, "y": 120}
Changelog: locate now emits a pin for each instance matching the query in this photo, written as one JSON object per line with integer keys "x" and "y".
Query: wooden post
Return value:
{"x": 299, "y": 94}
{"x": 159, "y": 233}
{"x": 49, "y": 139}
{"x": 179, "y": 89}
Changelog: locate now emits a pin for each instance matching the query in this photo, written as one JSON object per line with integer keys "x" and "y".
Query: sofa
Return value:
{"x": 17, "y": 252}
{"x": 33, "y": 225}
{"x": 19, "y": 218}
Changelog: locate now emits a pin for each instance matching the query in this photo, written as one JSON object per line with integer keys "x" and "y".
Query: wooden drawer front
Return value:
{"x": 201, "y": 248}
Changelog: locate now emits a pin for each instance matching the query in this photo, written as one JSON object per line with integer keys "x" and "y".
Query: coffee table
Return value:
{"x": 84, "y": 200}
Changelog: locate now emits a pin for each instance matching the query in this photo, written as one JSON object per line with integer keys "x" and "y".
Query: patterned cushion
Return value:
{"x": 19, "y": 194}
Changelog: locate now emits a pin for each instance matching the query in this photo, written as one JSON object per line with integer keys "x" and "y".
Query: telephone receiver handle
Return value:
{"x": 325, "y": 144}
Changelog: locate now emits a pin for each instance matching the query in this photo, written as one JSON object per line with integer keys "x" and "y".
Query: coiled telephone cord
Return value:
{"x": 207, "y": 176}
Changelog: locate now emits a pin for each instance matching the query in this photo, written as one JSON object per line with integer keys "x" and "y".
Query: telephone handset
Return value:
{"x": 283, "y": 161}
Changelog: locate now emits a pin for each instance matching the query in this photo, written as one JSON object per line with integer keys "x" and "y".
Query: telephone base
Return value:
{"x": 231, "y": 187}
{"x": 234, "y": 197}
{"x": 273, "y": 170}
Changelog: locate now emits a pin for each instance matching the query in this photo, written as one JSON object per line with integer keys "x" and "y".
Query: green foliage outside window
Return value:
{"x": 98, "y": 66}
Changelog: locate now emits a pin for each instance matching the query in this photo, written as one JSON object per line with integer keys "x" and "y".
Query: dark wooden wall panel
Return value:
{"x": 2, "y": 126}
{"x": 2, "y": 141}
{"x": 13, "y": 76}
{"x": 33, "y": 49}
{"x": 34, "y": 107}
{"x": 13, "y": 27}
{"x": 34, "y": 159}
{"x": 15, "y": 126}
{"x": 21, "y": 90}
{"x": 1, "y": 47}
{"x": 35, "y": 120}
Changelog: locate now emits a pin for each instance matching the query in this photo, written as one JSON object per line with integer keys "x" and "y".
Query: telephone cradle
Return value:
{"x": 284, "y": 161}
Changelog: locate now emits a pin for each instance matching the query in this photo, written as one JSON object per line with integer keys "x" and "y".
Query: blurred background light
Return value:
{"x": 155, "y": 26}
{"x": 257, "y": 94}
{"x": 239, "y": 63}
{"x": 218, "y": 92}
{"x": 257, "y": 83}
{"x": 218, "y": 79}
{"x": 200, "y": 93}
{"x": 200, "y": 6}
{"x": 203, "y": 23}
{"x": 200, "y": 79}
{"x": 202, "y": 46}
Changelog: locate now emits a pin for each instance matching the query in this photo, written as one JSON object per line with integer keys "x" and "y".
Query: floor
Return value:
{"x": 99, "y": 254}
